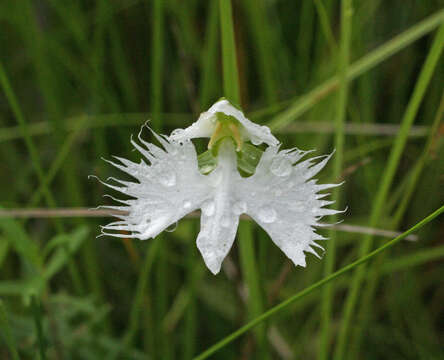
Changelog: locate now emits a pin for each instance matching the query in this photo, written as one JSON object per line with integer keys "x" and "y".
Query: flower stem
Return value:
{"x": 246, "y": 243}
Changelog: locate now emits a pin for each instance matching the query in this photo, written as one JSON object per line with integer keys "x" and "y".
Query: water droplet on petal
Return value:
{"x": 203, "y": 244}
{"x": 225, "y": 221}
{"x": 173, "y": 150}
{"x": 255, "y": 140}
{"x": 177, "y": 132}
{"x": 167, "y": 177}
{"x": 297, "y": 206}
{"x": 239, "y": 207}
{"x": 266, "y": 130}
{"x": 171, "y": 228}
{"x": 267, "y": 215}
{"x": 208, "y": 208}
{"x": 186, "y": 204}
{"x": 206, "y": 169}
{"x": 281, "y": 166}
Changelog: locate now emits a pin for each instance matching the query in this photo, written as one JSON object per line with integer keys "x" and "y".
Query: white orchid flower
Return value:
{"x": 280, "y": 196}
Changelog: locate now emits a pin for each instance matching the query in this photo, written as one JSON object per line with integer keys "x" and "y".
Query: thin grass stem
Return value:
{"x": 285, "y": 304}
{"x": 374, "y": 273}
{"x": 229, "y": 59}
{"x": 35, "y": 158}
{"x": 246, "y": 247}
{"x": 303, "y": 103}
{"x": 208, "y": 87}
{"x": 37, "y": 314}
{"x": 341, "y": 109}
{"x": 386, "y": 181}
{"x": 6, "y": 330}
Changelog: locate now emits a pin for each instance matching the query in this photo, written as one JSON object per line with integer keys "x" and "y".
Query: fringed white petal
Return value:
{"x": 165, "y": 191}
{"x": 284, "y": 202}
{"x": 205, "y": 126}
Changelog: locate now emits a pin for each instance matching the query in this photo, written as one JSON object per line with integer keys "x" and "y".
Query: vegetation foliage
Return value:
{"x": 77, "y": 78}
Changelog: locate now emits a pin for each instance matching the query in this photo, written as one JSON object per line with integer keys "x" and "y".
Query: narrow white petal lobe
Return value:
{"x": 218, "y": 221}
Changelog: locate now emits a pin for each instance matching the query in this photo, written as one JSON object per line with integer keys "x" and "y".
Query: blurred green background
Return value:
{"x": 78, "y": 77}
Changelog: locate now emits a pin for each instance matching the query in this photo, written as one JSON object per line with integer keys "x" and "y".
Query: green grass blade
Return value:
{"x": 194, "y": 272}
{"x": 69, "y": 245}
{"x": 283, "y": 305}
{"x": 164, "y": 349}
{"x": 137, "y": 305}
{"x": 59, "y": 161}
{"x": 381, "y": 196}
{"x": 306, "y": 19}
{"x": 246, "y": 246}
{"x": 344, "y": 58}
{"x": 261, "y": 34}
{"x": 420, "y": 164}
{"x": 229, "y": 59}
{"x": 250, "y": 274}
{"x": 18, "y": 114}
{"x": 37, "y": 315}
{"x": 35, "y": 158}
{"x": 6, "y": 331}
{"x": 374, "y": 273}
{"x": 326, "y": 26}
{"x": 208, "y": 87}
{"x": 375, "y": 57}
{"x": 157, "y": 63}
{"x": 20, "y": 241}
{"x": 418, "y": 258}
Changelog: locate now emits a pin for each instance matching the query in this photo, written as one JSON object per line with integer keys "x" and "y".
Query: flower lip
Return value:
{"x": 207, "y": 122}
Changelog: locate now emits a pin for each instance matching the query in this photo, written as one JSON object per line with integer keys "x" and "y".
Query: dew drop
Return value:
{"x": 281, "y": 166}
{"x": 208, "y": 208}
{"x": 267, "y": 215}
{"x": 297, "y": 206}
{"x": 225, "y": 222}
{"x": 167, "y": 177}
{"x": 186, "y": 204}
{"x": 172, "y": 227}
{"x": 255, "y": 140}
{"x": 239, "y": 207}
{"x": 266, "y": 130}
{"x": 177, "y": 132}
{"x": 206, "y": 169}
{"x": 203, "y": 244}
